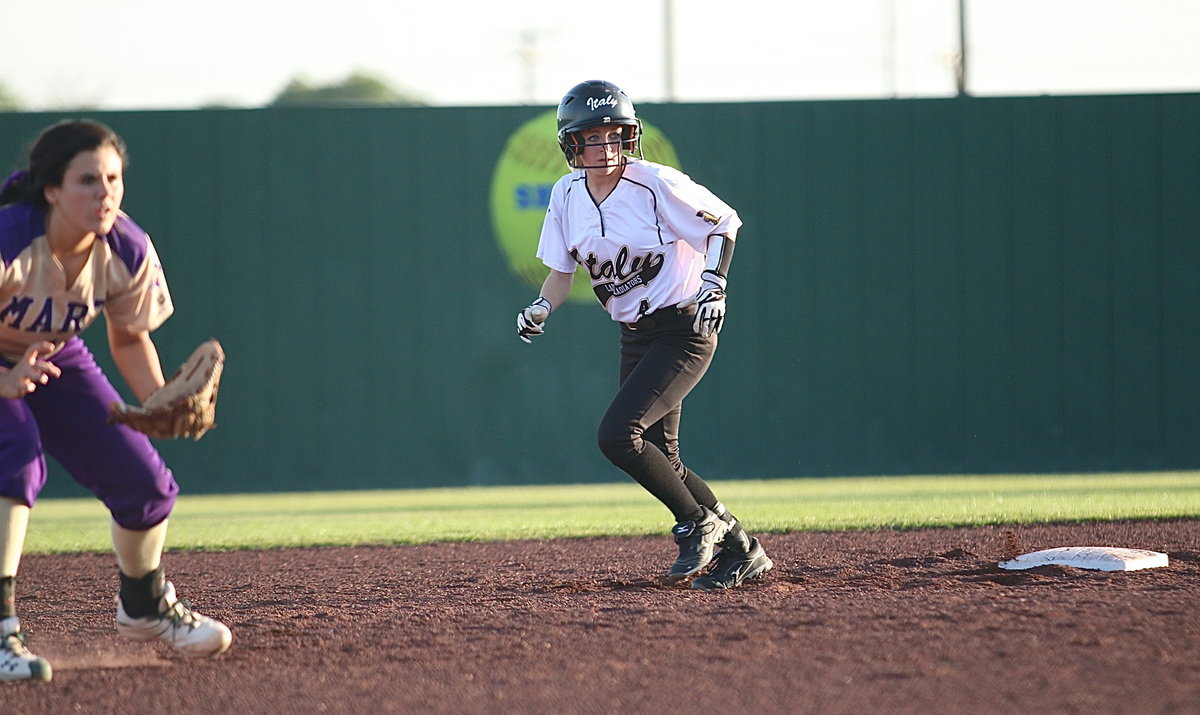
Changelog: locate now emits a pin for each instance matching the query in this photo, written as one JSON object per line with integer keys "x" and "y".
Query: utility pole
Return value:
{"x": 960, "y": 67}
{"x": 668, "y": 51}
{"x": 888, "y": 8}
{"x": 528, "y": 53}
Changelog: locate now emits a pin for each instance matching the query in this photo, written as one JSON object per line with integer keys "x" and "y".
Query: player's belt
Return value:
{"x": 661, "y": 317}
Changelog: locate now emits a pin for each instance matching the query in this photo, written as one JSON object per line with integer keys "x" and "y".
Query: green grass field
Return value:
{"x": 264, "y": 521}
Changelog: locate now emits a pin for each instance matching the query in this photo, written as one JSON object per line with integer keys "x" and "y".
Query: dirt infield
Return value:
{"x": 880, "y": 621}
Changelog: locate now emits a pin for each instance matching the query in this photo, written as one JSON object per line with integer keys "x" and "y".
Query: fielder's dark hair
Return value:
{"x": 54, "y": 148}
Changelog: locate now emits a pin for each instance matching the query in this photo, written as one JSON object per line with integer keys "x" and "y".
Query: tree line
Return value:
{"x": 356, "y": 89}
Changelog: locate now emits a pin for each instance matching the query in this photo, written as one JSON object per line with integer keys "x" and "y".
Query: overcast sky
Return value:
{"x": 165, "y": 54}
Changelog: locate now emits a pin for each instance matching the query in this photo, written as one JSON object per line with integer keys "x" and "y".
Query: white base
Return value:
{"x": 1099, "y": 558}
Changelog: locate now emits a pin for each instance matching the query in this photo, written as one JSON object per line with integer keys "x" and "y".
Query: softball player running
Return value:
{"x": 657, "y": 248}
{"x": 67, "y": 253}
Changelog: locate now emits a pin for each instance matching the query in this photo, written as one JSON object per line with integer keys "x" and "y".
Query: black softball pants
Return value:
{"x": 662, "y": 360}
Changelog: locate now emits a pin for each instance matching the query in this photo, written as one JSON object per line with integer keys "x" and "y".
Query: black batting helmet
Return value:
{"x": 592, "y": 104}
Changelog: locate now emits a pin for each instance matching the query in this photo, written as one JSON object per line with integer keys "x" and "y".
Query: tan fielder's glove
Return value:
{"x": 186, "y": 406}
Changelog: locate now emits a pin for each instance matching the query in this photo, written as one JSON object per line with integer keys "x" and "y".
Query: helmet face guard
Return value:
{"x": 572, "y": 144}
{"x": 591, "y": 104}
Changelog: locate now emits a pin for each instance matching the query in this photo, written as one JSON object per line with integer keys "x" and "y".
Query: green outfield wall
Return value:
{"x": 921, "y": 286}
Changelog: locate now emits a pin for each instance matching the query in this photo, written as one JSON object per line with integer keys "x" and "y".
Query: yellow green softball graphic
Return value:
{"x": 526, "y": 171}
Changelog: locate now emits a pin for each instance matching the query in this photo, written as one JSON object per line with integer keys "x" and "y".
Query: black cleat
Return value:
{"x": 697, "y": 541}
{"x": 732, "y": 568}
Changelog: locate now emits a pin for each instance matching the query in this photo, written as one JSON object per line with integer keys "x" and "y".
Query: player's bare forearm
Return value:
{"x": 137, "y": 358}
{"x": 556, "y": 287}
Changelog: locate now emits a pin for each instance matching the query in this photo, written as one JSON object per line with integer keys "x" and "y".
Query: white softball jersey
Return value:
{"x": 643, "y": 246}
{"x": 122, "y": 278}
